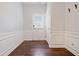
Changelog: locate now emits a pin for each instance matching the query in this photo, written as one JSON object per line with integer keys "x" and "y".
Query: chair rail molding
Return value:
{"x": 9, "y": 41}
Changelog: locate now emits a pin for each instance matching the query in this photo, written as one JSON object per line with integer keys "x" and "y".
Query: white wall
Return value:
{"x": 29, "y": 10}
{"x": 57, "y": 24}
{"x": 64, "y": 25}
{"x": 72, "y": 28}
{"x": 48, "y": 23}
{"x": 11, "y": 28}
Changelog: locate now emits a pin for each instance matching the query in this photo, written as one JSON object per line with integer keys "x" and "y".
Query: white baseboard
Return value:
{"x": 11, "y": 49}
{"x": 72, "y": 42}
{"x": 27, "y": 39}
{"x": 72, "y": 50}
{"x": 31, "y": 39}
{"x": 56, "y": 46}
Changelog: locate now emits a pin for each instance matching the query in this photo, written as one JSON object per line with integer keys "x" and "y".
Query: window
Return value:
{"x": 39, "y": 21}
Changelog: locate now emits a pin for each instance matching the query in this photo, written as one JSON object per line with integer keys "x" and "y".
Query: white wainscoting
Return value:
{"x": 27, "y": 34}
{"x": 57, "y": 39}
{"x": 9, "y": 41}
{"x": 72, "y": 42}
{"x": 38, "y": 35}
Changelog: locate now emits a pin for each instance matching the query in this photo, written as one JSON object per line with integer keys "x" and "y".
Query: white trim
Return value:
{"x": 32, "y": 39}
{"x": 53, "y": 41}
{"x": 75, "y": 38}
{"x": 8, "y": 38}
{"x": 56, "y": 46}
{"x": 3, "y": 34}
{"x": 72, "y": 50}
{"x": 27, "y": 39}
{"x": 11, "y": 49}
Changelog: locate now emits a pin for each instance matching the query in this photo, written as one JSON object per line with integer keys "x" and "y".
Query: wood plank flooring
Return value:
{"x": 39, "y": 48}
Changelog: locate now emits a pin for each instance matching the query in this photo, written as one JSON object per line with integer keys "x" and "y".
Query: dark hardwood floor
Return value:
{"x": 39, "y": 48}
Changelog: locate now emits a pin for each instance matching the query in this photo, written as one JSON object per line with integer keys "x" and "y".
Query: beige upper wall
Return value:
{"x": 11, "y": 17}
{"x": 72, "y": 18}
{"x": 58, "y": 16}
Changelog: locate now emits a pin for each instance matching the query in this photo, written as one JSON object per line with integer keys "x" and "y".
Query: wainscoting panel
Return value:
{"x": 72, "y": 42}
{"x": 9, "y": 41}
{"x": 28, "y": 34}
{"x": 34, "y": 35}
{"x": 57, "y": 40}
